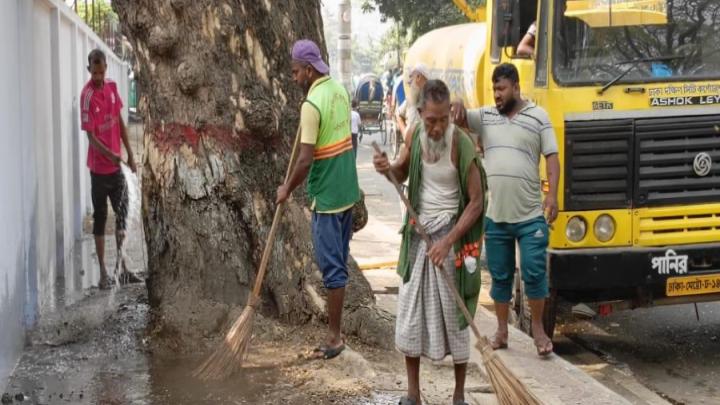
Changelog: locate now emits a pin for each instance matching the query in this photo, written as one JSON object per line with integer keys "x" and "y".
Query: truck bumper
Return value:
{"x": 589, "y": 275}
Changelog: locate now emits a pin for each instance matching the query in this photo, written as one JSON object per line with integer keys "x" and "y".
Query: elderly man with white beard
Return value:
{"x": 447, "y": 189}
{"x": 407, "y": 116}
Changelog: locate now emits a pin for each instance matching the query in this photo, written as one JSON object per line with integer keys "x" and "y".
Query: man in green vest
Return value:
{"x": 327, "y": 160}
{"x": 447, "y": 190}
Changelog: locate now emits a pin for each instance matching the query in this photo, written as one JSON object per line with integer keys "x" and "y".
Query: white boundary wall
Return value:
{"x": 44, "y": 183}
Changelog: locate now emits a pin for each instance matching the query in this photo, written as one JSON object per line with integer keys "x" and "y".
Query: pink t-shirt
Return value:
{"x": 100, "y": 114}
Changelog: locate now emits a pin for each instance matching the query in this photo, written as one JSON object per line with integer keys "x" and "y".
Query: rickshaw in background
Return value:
{"x": 369, "y": 95}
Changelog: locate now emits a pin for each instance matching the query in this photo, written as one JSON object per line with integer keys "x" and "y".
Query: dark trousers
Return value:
{"x": 112, "y": 186}
{"x": 355, "y": 144}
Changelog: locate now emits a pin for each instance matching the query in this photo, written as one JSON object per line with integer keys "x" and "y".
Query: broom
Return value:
{"x": 509, "y": 390}
{"x": 230, "y": 354}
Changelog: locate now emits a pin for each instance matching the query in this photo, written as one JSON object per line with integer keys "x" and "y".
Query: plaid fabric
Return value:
{"x": 426, "y": 322}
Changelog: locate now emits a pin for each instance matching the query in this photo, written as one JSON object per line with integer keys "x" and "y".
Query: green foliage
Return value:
{"x": 417, "y": 17}
{"x": 365, "y": 56}
{"x": 393, "y": 44}
{"x": 371, "y": 56}
{"x": 102, "y": 15}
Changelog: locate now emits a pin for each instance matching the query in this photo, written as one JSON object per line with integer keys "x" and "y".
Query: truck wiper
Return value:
{"x": 633, "y": 63}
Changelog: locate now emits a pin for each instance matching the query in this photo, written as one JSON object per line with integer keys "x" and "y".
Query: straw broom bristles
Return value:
{"x": 508, "y": 388}
{"x": 230, "y": 354}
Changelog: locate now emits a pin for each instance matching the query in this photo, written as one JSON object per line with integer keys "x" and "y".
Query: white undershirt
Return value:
{"x": 439, "y": 188}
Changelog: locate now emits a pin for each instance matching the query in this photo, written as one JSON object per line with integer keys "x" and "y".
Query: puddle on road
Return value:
{"x": 141, "y": 381}
{"x": 172, "y": 383}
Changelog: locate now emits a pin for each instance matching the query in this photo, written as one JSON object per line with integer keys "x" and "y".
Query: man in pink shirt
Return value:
{"x": 100, "y": 116}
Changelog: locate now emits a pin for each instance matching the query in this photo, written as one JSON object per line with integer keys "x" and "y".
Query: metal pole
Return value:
{"x": 345, "y": 44}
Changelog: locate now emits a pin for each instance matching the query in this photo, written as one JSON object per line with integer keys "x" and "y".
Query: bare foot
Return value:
{"x": 543, "y": 344}
{"x": 104, "y": 283}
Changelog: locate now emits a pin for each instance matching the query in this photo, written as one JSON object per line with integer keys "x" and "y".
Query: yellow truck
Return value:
{"x": 632, "y": 88}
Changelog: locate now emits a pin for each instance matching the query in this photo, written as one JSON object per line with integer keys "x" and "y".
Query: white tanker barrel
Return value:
{"x": 455, "y": 55}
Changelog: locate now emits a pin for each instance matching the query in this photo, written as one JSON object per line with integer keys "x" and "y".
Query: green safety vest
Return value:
{"x": 333, "y": 181}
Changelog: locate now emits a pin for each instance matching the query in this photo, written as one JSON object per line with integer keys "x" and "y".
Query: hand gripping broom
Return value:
{"x": 231, "y": 352}
{"x": 509, "y": 390}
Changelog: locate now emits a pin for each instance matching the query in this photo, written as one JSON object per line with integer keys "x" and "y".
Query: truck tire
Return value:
{"x": 523, "y": 315}
{"x": 550, "y": 313}
{"x": 520, "y": 306}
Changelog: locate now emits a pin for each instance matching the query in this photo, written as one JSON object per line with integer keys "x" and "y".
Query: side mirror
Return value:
{"x": 508, "y": 27}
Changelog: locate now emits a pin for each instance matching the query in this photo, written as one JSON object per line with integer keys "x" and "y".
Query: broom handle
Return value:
{"x": 421, "y": 230}
{"x": 276, "y": 221}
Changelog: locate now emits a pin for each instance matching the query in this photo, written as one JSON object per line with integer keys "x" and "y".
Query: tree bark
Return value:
{"x": 220, "y": 114}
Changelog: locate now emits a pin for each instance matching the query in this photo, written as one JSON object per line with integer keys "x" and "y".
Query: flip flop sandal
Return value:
{"x": 498, "y": 344}
{"x": 328, "y": 353}
{"x": 407, "y": 401}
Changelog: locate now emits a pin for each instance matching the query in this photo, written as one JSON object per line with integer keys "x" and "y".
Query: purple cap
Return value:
{"x": 307, "y": 51}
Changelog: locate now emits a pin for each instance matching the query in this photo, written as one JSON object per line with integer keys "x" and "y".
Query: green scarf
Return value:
{"x": 467, "y": 284}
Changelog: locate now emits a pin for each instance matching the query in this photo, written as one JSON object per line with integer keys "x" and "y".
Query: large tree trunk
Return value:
{"x": 220, "y": 115}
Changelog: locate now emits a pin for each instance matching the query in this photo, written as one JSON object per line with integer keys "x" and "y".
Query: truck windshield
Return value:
{"x": 674, "y": 39}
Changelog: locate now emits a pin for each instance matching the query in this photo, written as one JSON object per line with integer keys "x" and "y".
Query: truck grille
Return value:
{"x": 642, "y": 162}
{"x": 598, "y": 164}
{"x": 666, "y": 150}
{"x": 677, "y": 225}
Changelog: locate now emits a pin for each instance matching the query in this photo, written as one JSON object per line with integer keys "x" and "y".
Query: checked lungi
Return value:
{"x": 427, "y": 322}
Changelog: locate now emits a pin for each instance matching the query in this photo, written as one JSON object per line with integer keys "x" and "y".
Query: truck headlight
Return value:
{"x": 575, "y": 229}
{"x": 604, "y": 228}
